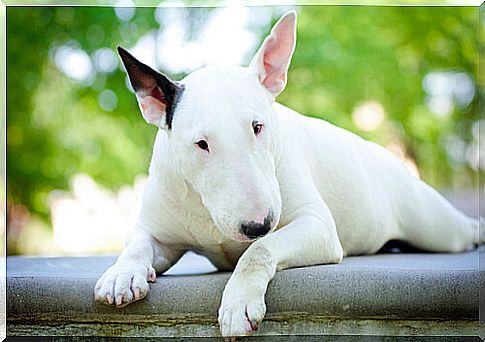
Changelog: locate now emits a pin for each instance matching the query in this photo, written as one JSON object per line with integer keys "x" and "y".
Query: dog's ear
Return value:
{"x": 272, "y": 60}
{"x": 155, "y": 92}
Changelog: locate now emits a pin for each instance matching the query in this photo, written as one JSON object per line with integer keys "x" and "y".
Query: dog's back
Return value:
{"x": 372, "y": 196}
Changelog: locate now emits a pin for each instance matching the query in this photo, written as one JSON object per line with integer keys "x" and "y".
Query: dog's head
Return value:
{"x": 221, "y": 131}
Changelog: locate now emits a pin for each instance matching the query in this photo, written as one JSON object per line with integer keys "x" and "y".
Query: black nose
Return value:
{"x": 254, "y": 230}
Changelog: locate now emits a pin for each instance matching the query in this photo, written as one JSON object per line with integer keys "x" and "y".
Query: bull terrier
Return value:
{"x": 256, "y": 187}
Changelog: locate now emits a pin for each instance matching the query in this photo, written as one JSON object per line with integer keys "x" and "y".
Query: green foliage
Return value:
{"x": 55, "y": 127}
{"x": 345, "y": 55}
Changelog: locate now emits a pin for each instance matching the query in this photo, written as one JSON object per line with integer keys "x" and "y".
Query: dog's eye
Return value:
{"x": 257, "y": 127}
{"x": 202, "y": 144}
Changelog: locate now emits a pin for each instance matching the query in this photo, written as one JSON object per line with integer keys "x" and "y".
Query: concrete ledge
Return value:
{"x": 385, "y": 294}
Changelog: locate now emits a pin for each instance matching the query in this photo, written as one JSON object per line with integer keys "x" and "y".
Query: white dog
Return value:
{"x": 257, "y": 187}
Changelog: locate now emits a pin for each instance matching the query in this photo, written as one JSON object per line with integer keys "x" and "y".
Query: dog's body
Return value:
{"x": 311, "y": 192}
{"x": 369, "y": 193}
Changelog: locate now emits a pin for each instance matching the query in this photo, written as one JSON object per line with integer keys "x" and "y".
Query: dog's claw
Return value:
{"x": 136, "y": 293}
{"x": 254, "y": 325}
{"x": 152, "y": 275}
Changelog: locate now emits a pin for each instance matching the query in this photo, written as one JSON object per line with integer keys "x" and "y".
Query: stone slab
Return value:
{"x": 394, "y": 287}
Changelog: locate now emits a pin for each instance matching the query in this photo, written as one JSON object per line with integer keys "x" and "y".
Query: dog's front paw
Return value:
{"x": 240, "y": 313}
{"x": 122, "y": 284}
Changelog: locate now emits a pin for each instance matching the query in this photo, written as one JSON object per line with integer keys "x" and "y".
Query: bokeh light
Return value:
{"x": 368, "y": 116}
{"x": 74, "y": 63}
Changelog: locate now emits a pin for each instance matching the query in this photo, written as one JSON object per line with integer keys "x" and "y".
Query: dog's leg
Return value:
{"x": 431, "y": 223}
{"x": 127, "y": 280}
{"x": 309, "y": 239}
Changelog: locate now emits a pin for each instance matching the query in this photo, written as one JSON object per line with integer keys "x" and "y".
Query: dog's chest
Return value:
{"x": 195, "y": 230}
{"x": 224, "y": 256}
{"x": 203, "y": 237}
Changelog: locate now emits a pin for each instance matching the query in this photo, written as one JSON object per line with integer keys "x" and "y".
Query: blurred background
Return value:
{"x": 78, "y": 149}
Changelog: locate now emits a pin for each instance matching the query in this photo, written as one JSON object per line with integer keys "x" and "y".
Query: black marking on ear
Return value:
{"x": 179, "y": 90}
{"x": 148, "y": 82}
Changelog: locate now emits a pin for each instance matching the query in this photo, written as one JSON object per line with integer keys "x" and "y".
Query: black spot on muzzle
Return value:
{"x": 254, "y": 230}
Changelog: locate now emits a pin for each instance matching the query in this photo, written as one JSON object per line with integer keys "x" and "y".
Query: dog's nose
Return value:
{"x": 254, "y": 230}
